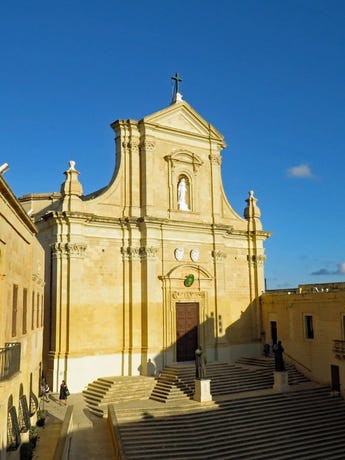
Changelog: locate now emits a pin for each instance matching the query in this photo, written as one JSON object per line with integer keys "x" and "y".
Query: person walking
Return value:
{"x": 64, "y": 392}
{"x": 44, "y": 390}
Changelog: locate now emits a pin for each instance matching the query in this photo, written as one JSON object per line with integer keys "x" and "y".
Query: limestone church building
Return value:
{"x": 141, "y": 272}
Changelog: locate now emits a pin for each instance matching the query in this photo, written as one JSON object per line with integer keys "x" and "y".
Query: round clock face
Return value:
{"x": 189, "y": 280}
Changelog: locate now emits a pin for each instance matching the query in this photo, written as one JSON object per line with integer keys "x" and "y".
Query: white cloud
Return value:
{"x": 301, "y": 172}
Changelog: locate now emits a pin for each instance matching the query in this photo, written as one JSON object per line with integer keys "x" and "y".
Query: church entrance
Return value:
{"x": 187, "y": 320}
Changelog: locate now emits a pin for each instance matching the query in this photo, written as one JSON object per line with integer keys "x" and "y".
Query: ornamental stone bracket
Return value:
{"x": 68, "y": 250}
{"x": 256, "y": 260}
{"x": 139, "y": 253}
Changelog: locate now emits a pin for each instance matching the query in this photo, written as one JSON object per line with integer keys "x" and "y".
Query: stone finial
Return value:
{"x": 71, "y": 165}
{"x": 72, "y": 186}
{"x": 252, "y": 211}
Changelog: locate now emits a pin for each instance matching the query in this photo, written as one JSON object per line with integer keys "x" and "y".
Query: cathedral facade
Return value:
{"x": 141, "y": 272}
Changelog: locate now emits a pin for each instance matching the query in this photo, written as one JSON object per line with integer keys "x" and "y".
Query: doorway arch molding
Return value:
{"x": 174, "y": 291}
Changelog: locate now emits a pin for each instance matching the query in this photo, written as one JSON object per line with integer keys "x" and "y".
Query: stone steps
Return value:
{"x": 305, "y": 424}
{"x": 110, "y": 390}
{"x": 248, "y": 374}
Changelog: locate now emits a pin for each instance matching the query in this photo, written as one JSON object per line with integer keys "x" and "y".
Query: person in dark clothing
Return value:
{"x": 278, "y": 357}
{"x": 63, "y": 393}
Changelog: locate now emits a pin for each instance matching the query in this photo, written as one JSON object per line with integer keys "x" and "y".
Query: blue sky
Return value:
{"x": 268, "y": 74}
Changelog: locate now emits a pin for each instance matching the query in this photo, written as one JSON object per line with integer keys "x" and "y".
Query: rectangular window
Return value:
{"x": 14, "y": 309}
{"x": 25, "y": 309}
{"x": 309, "y": 331}
{"x": 33, "y": 311}
{"x": 38, "y": 311}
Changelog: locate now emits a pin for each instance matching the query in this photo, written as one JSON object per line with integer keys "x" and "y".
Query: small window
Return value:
{"x": 25, "y": 309}
{"x": 33, "y": 311}
{"x": 14, "y": 309}
{"x": 309, "y": 331}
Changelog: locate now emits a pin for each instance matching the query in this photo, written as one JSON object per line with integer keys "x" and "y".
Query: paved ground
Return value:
{"x": 90, "y": 438}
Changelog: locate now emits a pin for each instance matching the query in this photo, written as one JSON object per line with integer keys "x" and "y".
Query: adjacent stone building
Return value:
{"x": 310, "y": 321}
{"x": 21, "y": 320}
{"x": 142, "y": 271}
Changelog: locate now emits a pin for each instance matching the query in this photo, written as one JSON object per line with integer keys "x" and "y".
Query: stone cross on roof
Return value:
{"x": 177, "y": 79}
{"x": 177, "y": 96}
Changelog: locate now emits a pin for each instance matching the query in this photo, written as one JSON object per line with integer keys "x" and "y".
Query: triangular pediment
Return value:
{"x": 182, "y": 117}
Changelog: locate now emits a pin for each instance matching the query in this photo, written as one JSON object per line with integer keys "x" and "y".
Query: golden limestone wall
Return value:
{"x": 21, "y": 317}
{"x": 117, "y": 260}
{"x": 310, "y": 322}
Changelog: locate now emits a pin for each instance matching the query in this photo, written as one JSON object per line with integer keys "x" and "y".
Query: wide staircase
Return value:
{"x": 176, "y": 383}
{"x": 246, "y": 419}
{"x": 301, "y": 425}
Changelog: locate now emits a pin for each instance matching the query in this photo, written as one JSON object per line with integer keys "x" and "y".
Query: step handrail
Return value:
{"x": 297, "y": 362}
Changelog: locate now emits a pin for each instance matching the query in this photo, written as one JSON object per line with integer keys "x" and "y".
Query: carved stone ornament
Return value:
{"x": 219, "y": 255}
{"x": 143, "y": 253}
{"x": 187, "y": 295}
{"x": 215, "y": 158}
{"x": 148, "y": 145}
{"x": 179, "y": 252}
{"x": 256, "y": 260}
{"x": 36, "y": 278}
{"x": 130, "y": 252}
{"x": 148, "y": 252}
{"x": 195, "y": 254}
{"x": 68, "y": 249}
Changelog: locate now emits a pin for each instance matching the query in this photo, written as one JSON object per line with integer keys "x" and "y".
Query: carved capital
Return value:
{"x": 219, "y": 256}
{"x": 58, "y": 249}
{"x": 68, "y": 249}
{"x": 142, "y": 253}
{"x": 215, "y": 158}
{"x": 133, "y": 144}
{"x": 148, "y": 145}
{"x": 256, "y": 260}
{"x": 130, "y": 252}
{"x": 148, "y": 252}
{"x": 76, "y": 249}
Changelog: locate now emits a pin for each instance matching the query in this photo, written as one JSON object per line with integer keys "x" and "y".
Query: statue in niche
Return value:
{"x": 181, "y": 195}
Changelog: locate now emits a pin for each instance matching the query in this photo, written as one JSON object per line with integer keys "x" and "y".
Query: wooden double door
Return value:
{"x": 187, "y": 321}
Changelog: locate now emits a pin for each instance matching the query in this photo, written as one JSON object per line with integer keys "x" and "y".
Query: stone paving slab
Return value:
{"x": 90, "y": 437}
